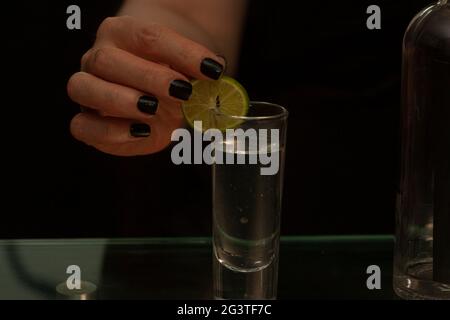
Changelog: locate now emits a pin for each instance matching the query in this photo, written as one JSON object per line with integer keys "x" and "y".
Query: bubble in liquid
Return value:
{"x": 244, "y": 220}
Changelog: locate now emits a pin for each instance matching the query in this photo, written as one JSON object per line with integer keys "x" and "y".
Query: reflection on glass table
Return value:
{"x": 333, "y": 267}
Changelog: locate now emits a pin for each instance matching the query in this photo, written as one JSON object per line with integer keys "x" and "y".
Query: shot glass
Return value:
{"x": 247, "y": 197}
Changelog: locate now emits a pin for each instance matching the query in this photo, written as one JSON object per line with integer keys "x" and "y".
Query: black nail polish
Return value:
{"x": 140, "y": 130}
{"x": 226, "y": 62}
{"x": 180, "y": 89}
{"x": 148, "y": 105}
{"x": 211, "y": 68}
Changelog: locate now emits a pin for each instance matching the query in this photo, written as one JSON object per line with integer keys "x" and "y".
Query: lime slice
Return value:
{"x": 212, "y": 102}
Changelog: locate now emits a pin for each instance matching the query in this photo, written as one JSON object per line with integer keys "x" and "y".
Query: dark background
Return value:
{"x": 339, "y": 80}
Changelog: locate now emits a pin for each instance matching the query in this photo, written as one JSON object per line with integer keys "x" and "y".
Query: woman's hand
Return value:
{"x": 132, "y": 84}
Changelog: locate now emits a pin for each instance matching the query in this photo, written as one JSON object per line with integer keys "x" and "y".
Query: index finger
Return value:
{"x": 160, "y": 44}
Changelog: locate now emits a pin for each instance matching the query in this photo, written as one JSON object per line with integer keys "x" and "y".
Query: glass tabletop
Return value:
{"x": 316, "y": 267}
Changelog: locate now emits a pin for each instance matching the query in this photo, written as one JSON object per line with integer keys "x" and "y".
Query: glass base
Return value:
{"x": 234, "y": 285}
{"x": 418, "y": 284}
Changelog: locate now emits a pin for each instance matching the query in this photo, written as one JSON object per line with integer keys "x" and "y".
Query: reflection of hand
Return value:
{"x": 133, "y": 81}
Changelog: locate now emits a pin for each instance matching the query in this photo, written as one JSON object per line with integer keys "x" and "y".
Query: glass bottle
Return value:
{"x": 422, "y": 250}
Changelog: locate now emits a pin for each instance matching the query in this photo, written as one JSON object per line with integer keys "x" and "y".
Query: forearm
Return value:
{"x": 216, "y": 24}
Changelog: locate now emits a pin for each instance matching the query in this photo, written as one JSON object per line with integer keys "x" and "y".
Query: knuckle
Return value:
{"x": 148, "y": 36}
{"x": 85, "y": 58}
{"x": 111, "y": 23}
{"x": 106, "y": 26}
{"x": 76, "y": 126}
{"x": 74, "y": 84}
{"x": 126, "y": 19}
{"x": 96, "y": 59}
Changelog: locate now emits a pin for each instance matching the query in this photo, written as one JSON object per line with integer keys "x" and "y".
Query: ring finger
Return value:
{"x": 115, "y": 100}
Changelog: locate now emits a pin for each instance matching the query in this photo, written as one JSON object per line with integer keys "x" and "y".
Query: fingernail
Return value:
{"x": 211, "y": 68}
{"x": 225, "y": 62}
{"x": 148, "y": 105}
{"x": 180, "y": 89}
{"x": 140, "y": 130}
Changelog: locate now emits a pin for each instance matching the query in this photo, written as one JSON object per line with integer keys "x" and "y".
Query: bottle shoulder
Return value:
{"x": 430, "y": 29}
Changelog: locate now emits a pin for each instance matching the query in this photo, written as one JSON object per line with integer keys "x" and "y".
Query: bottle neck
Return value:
{"x": 442, "y": 2}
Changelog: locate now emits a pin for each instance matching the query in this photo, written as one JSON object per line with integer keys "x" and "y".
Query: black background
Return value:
{"x": 339, "y": 80}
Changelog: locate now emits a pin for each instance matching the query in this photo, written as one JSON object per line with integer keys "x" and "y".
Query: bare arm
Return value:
{"x": 216, "y": 24}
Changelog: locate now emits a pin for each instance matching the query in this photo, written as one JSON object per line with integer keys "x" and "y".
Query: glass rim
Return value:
{"x": 283, "y": 112}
